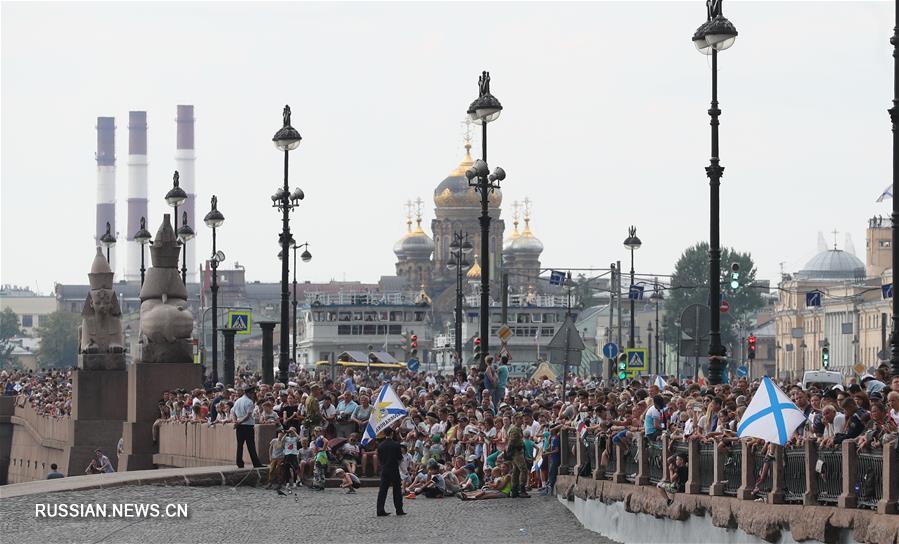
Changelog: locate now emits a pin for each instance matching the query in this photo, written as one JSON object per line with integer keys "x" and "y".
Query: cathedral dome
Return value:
{"x": 454, "y": 191}
{"x": 833, "y": 264}
{"x": 416, "y": 245}
{"x": 526, "y": 243}
{"x": 514, "y": 235}
{"x": 474, "y": 273}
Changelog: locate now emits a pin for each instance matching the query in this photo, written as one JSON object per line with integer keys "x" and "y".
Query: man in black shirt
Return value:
{"x": 389, "y": 456}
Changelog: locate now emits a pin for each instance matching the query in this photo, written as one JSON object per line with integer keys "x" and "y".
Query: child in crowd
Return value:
{"x": 348, "y": 480}
{"x": 276, "y": 454}
{"x": 320, "y": 469}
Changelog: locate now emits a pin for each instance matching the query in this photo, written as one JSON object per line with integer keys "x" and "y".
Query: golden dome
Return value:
{"x": 526, "y": 242}
{"x": 514, "y": 234}
{"x": 474, "y": 273}
{"x": 415, "y": 244}
{"x": 454, "y": 191}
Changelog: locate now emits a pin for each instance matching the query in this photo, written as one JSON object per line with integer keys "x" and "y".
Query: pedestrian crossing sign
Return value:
{"x": 636, "y": 361}
{"x": 240, "y": 320}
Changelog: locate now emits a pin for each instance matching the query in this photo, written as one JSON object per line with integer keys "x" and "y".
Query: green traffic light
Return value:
{"x": 622, "y": 375}
{"x": 734, "y": 284}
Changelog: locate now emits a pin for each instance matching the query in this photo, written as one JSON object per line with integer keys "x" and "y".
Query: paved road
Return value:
{"x": 252, "y": 515}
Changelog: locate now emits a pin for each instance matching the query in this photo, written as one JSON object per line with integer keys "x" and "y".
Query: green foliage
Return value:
{"x": 9, "y": 324}
{"x": 59, "y": 340}
{"x": 690, "y": 282}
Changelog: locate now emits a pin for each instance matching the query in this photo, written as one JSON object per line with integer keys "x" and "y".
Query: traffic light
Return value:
{"x": 404, "y": 344}
{"x": 622, "y": 366}
{"x": 477, "y": 349}
{"x": 825, "y": 355}
{"x": 751, "y": 345}
{"x": 734, "y": 276}
{"x": 414, "y": 342}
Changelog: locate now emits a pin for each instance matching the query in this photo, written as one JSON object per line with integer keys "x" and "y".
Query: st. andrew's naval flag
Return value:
{"x": 386, "y": 411}
{"x": 771, "y": 415}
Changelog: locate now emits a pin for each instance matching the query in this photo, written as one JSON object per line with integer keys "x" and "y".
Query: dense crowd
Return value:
{"x": 49, "y": 393}
{"x": 481, "y": 434}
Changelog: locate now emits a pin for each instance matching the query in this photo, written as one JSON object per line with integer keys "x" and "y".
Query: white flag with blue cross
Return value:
{"x": 386, "y": 411}
{"x": 771, "y": 415}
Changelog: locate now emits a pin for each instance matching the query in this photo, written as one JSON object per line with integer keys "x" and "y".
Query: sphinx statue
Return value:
{"x": 101, "y": 324}
{"x": 166, "y": 323}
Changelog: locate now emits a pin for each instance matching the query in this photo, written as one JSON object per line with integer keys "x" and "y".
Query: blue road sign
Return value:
{"x": 556, "y": 277}
{"x": 240, "y": 320}
{"x": 413, "y": 364}
{"x": 742, "y": 371}
{"x": 636, "y": 361}
{"x": 635, "y": 292}
{"x": 813, "y": 298}
{"x": 610, "y": 350}
{"x": 887, "y": 290}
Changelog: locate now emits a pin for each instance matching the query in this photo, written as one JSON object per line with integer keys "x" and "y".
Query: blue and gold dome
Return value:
{"x": 454, "y": 191}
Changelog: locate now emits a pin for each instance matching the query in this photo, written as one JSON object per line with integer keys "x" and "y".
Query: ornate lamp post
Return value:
{"x": 894, "y": 117}
{"x": 657, "y": 296}
{"x": 459, "y": 249}
{"x": 185, "y": 233}
{"x": 108, "y": 240}
{"x": 485, "y": 109}
{"x": 306, "y": 256}
{"x": 286, "y": 139}
{"x": 716, "y": 34}
{"x": 174, "y": 198}
{"x": 632, "y": 243}
{"x": 142, "y": 237}
{"x": 214, "y": 219}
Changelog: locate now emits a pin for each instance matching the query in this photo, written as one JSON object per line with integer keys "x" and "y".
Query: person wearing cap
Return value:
{"x": 514, "y": 452}
{"x": 872, "y": 384}
{"x": 390, "y": 454}
{"x": 244, "y": 425}
{"x": 313, "y": 408}
{"x": 472, "y": 482}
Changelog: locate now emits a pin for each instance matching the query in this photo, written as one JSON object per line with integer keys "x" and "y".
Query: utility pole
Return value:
{"x": 618, "y": 297}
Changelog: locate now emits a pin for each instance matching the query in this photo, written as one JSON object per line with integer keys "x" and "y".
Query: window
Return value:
{"x": 885, "y": 243}
{"x": 369, "y": 329}
{"x": 419, "y": 316}
{"x": 344, "y": 316}
{"x": 27, "y": 320}
{"x": 357, "y": 329}
{"x": 384, "y": 316}
{"x": 357, "y": 316}
{"x": 547, "y": 331}
{"x": 395, "y": 329}
{"x": 343, "y": 330}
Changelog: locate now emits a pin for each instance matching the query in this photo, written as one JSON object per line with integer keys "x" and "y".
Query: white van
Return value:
{"x": 821, "y": 379}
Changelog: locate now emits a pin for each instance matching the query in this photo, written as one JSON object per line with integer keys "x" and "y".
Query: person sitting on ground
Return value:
{"x": 472, "y": 482}
{"x": 305, "y": 459}
{"x": 348, "y": 480}
{"x": 351, "y": 453}
{"x": 500, "y": 487}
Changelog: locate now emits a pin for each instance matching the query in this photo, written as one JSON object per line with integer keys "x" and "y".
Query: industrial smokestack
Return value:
{"x": 106, "y": 181}
{"x": 137, "y": 187}
{"x": 184, "y": 164}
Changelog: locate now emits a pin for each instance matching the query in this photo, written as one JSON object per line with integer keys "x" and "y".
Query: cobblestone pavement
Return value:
{"x": 246, "y": 514}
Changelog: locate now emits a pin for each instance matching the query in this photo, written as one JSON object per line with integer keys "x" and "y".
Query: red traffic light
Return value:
{"x": 751, "y": 340}
{"x": 477, "y": 341}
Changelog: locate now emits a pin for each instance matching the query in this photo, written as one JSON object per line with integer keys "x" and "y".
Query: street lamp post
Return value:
{"x": 485, "y": 109}
{"x": 108, "y": 240}
{"x": 142, "y": 237}
{"x": 174, "y": 198}
{"x": 632, "y": 243}
{"x": 894, "y": 117}
{"x": 459, "y": 249}
{"x": 716, "y": 34}
{"x": 286, "y": 140}
{"x": 185, "y": 233}
{"x": 649, "y": 346}
{"x": 657, "y": 297}
{"x": 214, "y": 219}
{"x": 306, "y": 256}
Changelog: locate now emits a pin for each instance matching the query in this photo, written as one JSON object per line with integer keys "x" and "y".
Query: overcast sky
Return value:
{"x": 604, "y": 124}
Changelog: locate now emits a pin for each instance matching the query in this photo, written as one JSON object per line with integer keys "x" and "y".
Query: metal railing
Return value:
{"x": 745, "y": 470}
{"x": 794, "y": 474}
{"x": 706, "y": 466}
{"x": 869, "y": 488}
{"x": 655, "y": 457}
{"x": 732, "y": 464}
{"x": 829, "y": 472}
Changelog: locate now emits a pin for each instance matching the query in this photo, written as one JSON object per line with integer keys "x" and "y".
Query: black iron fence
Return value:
{"x": 750, "y": 470}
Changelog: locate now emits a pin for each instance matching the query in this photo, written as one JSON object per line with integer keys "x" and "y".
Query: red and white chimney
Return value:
{"x": 184, "y": 164}
{"x": 106, "y": 181}
{"x": 137, "y": 188}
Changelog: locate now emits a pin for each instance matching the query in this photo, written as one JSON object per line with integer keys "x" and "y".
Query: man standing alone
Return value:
{"x": 244, "y": 425}
{"x": 515, "y": 453}
{"x": 390, "y": 454}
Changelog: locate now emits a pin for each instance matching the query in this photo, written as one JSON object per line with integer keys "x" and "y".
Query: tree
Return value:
{"x": 59, "y": 340}
{"x": 9, "y": 327}
{"x": 690, "y": 285}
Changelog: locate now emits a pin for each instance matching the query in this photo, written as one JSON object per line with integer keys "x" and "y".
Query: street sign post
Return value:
{"x": 724, "y": 307}
{"x": 413, "y": 365}
{"x": 610, "y": 350}
{"x": 242, "y": 320}
{"x": 637, "y": 360}
{"x": 742, "y": 371}
{"x": 813, "y": 298}
{"x": 504, "y": 333}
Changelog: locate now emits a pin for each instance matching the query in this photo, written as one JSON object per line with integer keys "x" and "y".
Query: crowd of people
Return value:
{"x": 481, "y": 434}
{"x": 49, "y": 393}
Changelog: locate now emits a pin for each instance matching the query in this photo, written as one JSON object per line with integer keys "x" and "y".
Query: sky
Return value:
{"x": 604, "y": 124}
